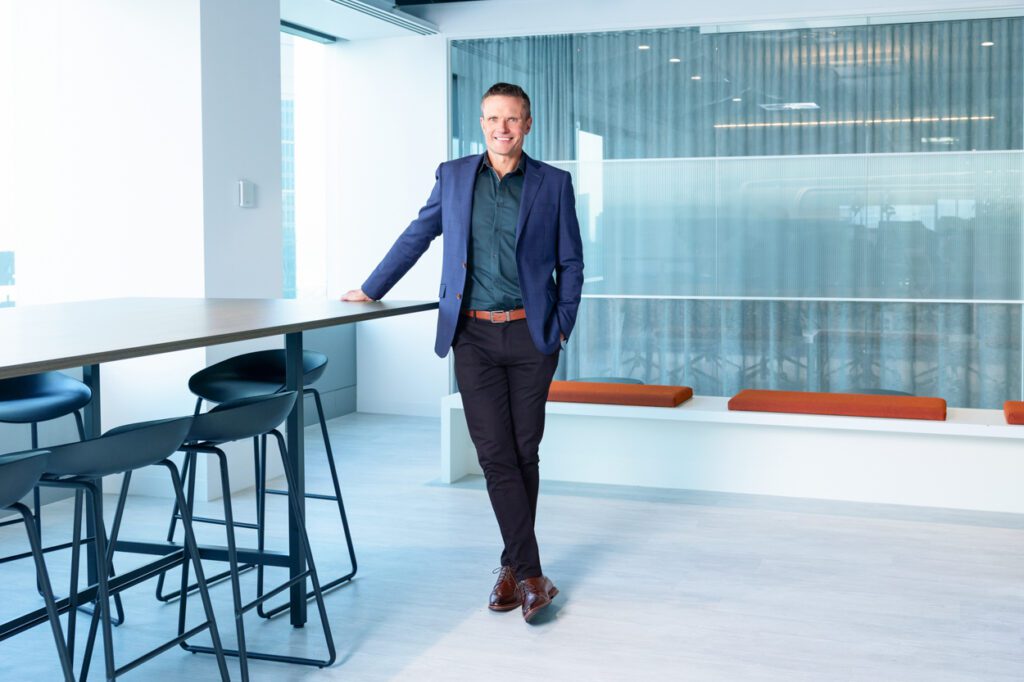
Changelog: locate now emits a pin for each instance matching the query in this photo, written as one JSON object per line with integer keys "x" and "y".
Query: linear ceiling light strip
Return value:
{"x": 306, "y": 32}
{"x": 855, "y": 121}
{"x": 396, "y": 18}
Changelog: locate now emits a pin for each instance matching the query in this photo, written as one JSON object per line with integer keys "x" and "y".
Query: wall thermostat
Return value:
{"x": 246, "y": 194}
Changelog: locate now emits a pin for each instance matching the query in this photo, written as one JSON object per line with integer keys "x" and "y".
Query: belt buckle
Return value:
{"x": 503, "y": 313}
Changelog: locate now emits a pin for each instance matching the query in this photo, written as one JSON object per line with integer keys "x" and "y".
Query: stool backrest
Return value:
{"x": 19, "y": 473}
{"x": 252, "y": 374}
{"x": 244, "y": 418}
{"x": 122, "y": 449}
{"x": 41, "y": 397}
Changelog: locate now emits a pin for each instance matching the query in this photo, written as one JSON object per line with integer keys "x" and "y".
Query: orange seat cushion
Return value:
{"x": 618, "y": 394}
{"x": 845, "y": 404}
{"x": 1014, "y": 411}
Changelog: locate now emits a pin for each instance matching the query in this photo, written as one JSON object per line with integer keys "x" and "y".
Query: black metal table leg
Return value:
{"x": 296, "y": 455}
{"x": 93, "y": 428}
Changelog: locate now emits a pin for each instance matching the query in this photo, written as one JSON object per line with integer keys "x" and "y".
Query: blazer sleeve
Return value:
{"x": 569, "y": 265}
{"x": 409, "y": 246}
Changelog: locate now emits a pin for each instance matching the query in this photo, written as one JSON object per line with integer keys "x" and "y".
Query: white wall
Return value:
{"x": 105, "y": 165}
{"x": 134, "y": 120}
{"x": 387, "y": 137}
{"x": 241, "y": 87}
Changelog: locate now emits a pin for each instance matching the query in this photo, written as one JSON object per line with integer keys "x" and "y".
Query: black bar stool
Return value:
{"x": 121, "y": 451}
{"x": 19, "y": 473}
{"x": 257, "y": 374}
{"x": 240, "y": 420}
{"x": 40, "y": 398}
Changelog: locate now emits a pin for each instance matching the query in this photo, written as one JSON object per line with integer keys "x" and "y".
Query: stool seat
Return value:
{"x": 21, "y": 472}
{"x": 252, "y": 374}
{"x": 41, "y": 397}
{"x": 239, "y": 419}
{"x": 122, "y": 449}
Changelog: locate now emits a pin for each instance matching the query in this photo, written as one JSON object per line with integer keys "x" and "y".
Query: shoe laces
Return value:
{"x": 528, "y": 588}
{"x": 500, "y": 572}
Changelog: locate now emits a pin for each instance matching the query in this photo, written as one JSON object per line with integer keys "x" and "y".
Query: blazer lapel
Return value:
{"x": 464, "y": 194}
{"x": 531, "y": 183}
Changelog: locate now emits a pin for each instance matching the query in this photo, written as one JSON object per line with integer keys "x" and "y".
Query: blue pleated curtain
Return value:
{"x": 818, "y": 209}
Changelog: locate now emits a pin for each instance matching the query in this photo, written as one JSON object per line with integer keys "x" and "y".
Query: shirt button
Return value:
{"x": 458, "y": 296}
{"x": 463, "y": 265}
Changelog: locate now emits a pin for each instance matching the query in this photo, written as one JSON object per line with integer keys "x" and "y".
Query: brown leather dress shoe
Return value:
{"x": 506, "y": 595}
{"x": 537, "y": 593}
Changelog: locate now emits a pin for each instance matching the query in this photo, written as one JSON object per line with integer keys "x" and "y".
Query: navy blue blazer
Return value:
{"x": 549, "y": 251}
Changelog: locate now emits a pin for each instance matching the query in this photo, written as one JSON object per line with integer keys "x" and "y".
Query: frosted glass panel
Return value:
{"x": 893, "y": 226}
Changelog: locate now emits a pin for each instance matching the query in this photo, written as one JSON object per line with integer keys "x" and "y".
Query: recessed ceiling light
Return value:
{"x": 987, "y": 43}
{"x": 675, "y": 60}
{"x": 695, "y": 78}
{"x": 737, "y": 99}
{"x": 643, "y": 47}
{"x": 789, "y": 106}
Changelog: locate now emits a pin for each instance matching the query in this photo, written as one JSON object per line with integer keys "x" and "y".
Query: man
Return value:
{"x": 509, "y": 224}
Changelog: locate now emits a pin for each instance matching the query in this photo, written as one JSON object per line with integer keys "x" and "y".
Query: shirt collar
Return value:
{"x": 520, "y": 167}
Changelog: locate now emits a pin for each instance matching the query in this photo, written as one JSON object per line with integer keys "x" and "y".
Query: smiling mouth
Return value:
{"x": 503, "y": 139}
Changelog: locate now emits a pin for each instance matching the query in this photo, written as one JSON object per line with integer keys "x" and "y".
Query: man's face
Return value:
{"x": 505, "y": 124}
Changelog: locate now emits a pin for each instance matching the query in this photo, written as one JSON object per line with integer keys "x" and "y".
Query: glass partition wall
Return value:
{"x": 833, "y": 209}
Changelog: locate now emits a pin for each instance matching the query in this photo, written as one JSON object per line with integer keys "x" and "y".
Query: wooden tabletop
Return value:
{"x": 63, "y": 335}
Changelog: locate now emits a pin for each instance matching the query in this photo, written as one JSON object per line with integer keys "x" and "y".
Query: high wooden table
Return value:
{"x": 86, "y": 334}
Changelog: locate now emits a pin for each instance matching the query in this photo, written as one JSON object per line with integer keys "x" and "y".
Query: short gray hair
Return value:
{"x": 508, "y": 90}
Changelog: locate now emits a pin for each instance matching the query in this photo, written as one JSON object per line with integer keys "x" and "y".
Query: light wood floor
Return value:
{"x": 655, "y": 585}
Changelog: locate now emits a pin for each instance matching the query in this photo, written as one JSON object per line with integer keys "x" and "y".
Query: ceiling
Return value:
{"x": 354, "y": 19}
{"x": 407, "y": 3}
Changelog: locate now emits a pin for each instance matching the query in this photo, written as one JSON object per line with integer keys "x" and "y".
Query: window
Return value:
{"x": 831, "y": 209}
{"x": 303, "y": 168}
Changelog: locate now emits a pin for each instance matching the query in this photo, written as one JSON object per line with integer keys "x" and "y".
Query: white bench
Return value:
{"x": 973, "y": 460}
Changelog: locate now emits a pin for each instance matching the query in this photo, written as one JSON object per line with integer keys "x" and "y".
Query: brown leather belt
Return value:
{"x": 497, "y": 316}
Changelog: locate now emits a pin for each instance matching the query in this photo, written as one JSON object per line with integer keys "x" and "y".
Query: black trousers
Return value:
{"x": 504, "y": 381}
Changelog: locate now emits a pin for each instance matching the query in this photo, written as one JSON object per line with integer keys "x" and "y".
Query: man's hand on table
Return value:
{"x": 355, "y": 295}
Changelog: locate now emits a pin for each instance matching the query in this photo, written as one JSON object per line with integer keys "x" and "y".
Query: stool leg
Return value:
{"x": 337, "y": 493}
{"x": 80, "y": 424}
{"x": 172, "y": 527}
{"x": 192, "y": 552}
{"x": 44, "y": 581}
{"x": 101, "y": 614}
{"x": 337, "y": 498}
{"x": 236, "y": 590}
{"x": 304, "y": 539}
{"x": 107, "y": 557}
{"x": 76, "y": 546}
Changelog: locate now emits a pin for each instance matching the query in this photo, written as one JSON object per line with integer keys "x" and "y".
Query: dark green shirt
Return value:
{"x": 493, "y": 281}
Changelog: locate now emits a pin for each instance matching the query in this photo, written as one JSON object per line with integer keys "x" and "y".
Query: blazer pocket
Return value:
{"x": 440, "y": 293}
